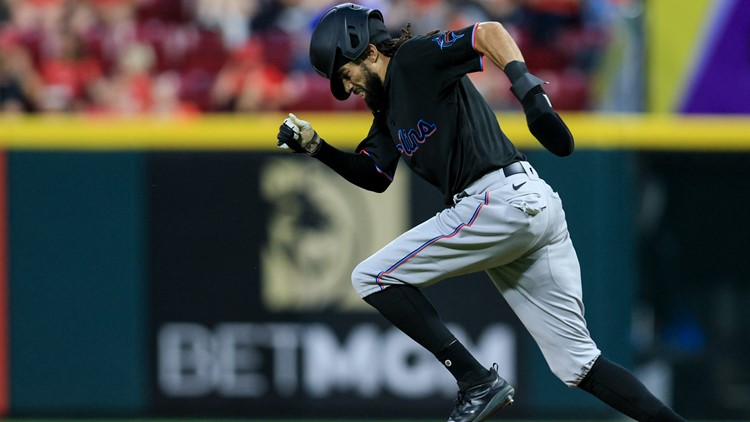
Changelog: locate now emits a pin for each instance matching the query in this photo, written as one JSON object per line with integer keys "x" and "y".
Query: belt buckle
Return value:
{"x": 459, "y": 196}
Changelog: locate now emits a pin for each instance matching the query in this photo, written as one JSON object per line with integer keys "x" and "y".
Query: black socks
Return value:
{"x": 461, "y": 364}
{"x": 617, "y": 387}
{"x": 410, "y": 311}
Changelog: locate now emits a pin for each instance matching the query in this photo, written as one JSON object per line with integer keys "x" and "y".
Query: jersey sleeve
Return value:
{"x": 448, "y": 55}
{"x": 380, "y": 148}
{"x": 373, "y": 165}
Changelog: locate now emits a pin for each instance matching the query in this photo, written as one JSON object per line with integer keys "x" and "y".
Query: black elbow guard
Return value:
{"x": 544, "y": 123}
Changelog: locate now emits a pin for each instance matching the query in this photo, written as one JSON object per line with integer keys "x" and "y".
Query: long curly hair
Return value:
{"x": 389, "y": 47}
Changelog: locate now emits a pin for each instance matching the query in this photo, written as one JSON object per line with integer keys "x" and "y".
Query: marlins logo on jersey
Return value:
{"x": 410, "y": 139}
{"x": 447, "y": 39}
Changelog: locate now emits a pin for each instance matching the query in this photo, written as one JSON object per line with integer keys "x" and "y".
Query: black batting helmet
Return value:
{"x": 342, "y": 35}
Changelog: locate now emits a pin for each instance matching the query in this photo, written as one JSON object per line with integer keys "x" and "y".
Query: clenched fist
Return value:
{"x": 297, "y": 135}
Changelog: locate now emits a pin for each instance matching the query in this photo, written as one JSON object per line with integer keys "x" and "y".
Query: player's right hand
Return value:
{"x": 288, "y": 137}
{"x": 297, "y": 135}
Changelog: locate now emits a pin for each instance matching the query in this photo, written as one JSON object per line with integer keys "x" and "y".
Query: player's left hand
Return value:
{"x": 545, "y": 124}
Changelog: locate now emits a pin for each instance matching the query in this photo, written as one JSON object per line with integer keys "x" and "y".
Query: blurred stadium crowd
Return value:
{"x": 193, "y": 56}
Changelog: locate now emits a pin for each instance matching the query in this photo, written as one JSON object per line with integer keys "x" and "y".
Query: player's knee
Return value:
{"x": 571, "y": 370}
{"x": 357, "y": 277}
{"x": 568, "y": 370}
{"x": 566, "y": 375}
{"x": 362, "y": 278}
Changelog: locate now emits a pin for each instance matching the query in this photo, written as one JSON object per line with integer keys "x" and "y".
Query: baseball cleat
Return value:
{"x": 479, "y": 402}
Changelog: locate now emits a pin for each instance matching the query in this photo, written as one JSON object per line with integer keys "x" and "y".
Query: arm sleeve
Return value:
{"x": 371, "y": 167}
{"x": 544, "y": 123}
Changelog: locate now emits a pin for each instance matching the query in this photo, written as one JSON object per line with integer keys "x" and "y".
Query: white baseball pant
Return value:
{"x": 512, "y": 227}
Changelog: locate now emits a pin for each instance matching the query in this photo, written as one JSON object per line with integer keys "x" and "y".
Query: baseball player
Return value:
{"x": 500, "y": 217}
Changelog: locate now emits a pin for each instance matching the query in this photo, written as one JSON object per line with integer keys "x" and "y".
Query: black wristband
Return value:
{"x": 514, "y": 70}
{"x": 321, "y": 142}
{"x": 523, "y": 81}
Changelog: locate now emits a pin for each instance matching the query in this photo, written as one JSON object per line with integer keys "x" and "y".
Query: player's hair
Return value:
{"x": 389, "y": 47}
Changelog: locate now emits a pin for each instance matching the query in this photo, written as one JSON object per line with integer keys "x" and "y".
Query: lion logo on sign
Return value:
{"x": 319, "y": 228}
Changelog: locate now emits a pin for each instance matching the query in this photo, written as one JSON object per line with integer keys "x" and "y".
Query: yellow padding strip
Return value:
{"x": 345, "y": 130}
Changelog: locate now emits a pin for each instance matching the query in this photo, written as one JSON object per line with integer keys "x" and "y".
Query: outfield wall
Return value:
{"x": 184, "y": 268}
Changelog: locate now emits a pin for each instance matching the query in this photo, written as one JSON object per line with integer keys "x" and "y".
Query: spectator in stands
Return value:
{"x": 20, "y": 86}
{"x": 242, "y": 55}
{"x": 165, "y": 97}
{"x": 246, "y": 83}
{"x": 230, "y": 17}
{"x": 67, "y": 73}
{"x": 128, "y": 89}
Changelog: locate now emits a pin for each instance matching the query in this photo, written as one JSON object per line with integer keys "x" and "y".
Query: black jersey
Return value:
{"x": 436, "y": 119}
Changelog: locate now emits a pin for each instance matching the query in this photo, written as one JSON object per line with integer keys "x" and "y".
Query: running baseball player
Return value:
{"x": 500, "y": 217}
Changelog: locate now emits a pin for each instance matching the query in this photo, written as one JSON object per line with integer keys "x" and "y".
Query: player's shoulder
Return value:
{"x": 416, "y": 49}
{"x": 412, "y": 45}
{"x": 437, "y": 41}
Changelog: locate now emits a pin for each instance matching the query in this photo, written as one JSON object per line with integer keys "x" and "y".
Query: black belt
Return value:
{"x": 513, "y": 168}
{"x": 509, "y": 170}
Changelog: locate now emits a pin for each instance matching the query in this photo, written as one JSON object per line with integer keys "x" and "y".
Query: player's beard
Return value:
{"x": 375, "y": 96}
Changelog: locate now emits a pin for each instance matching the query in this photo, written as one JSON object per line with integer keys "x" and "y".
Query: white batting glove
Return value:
{"x": 289, "y": 137}
{"x": 308, "y": 138}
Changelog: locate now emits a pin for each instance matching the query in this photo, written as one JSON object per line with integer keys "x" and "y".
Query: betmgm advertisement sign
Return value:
{"x": 253, "y": 309}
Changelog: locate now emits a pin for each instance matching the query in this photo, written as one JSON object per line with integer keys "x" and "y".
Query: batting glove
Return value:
{"x": 297, "y": 135}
